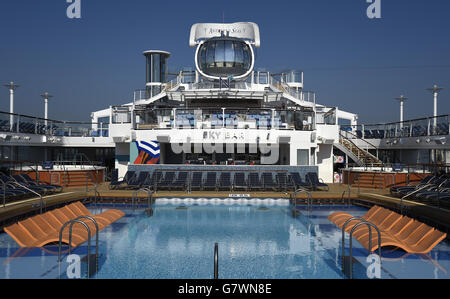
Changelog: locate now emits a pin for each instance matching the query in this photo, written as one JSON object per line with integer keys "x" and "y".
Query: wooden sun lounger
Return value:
{"x": 335, "y": 216}
{"x": 384, "y": 225}
{"x": 41, "y": 230}
{"x": 395, "y": 230}
{"x": 36, "y": 238}
{"x": 342, "y": 220}
{"x": 112, "y": 215}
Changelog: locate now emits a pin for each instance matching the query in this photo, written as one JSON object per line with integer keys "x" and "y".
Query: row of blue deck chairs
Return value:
{"x": 15, "y": 187}
{"x": 430, "y": 189}
{"x": 217, "y": 181}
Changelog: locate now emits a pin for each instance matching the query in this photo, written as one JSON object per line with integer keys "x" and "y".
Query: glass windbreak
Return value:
{"x": 121, "y": 115}
{"x": 225, "y": 57}
{"x": 292, "y": 77}
{"x": 440, "y": 126}
{"x": 304, "y": 120}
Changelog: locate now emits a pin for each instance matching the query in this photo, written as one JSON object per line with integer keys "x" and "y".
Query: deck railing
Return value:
{"x": 24, "y": 124}
{"x": 423, "y": 127}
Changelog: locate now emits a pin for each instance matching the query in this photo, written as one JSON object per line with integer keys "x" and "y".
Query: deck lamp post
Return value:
{"x": 46, "y": 96}
{"x": 435, "y": 90}
{"x": 12, "y": 87}
{"x": 402, "y": 100}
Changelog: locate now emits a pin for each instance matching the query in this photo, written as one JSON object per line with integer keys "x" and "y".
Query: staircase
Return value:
{"x": 362, "y": 157}
{"x": 369, "y": 181}
{"x": 80, "y": 179}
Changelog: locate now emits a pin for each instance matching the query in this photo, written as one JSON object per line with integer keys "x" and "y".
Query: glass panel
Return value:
{"x": 239, "y": 55}
{"x": 303, "y": 157}
{"x": 229, "y": 54}
{"x": 156, "y": 68}
{"x": 210, "y": 52}
{"x": 223, "y": 58}
{"x": 220, "y": 54}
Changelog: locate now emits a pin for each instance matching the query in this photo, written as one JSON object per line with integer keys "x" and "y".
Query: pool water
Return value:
{"x": 256, "y": 241}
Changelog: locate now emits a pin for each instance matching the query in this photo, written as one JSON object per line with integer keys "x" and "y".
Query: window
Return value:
{"x": 303, "y": 157}
{"x": 224, "y": 57}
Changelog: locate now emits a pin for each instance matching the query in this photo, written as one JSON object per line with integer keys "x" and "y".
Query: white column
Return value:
{"x": 46, "y": 111}
{"x": 401, "y": 112}
{"x": 435, "y": 114}
{"x": 11, "y": 107}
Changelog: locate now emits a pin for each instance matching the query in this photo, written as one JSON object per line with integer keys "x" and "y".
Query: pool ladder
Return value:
{"x": 79, "y": 221}
{"x": 293, "y": 201}
{"x": 361, "y": 223}
{"x": 149, "y": 201}
{"x": 216, "y": 261}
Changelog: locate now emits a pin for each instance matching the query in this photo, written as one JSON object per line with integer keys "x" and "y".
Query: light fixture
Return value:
{"x": 442, "y": 140}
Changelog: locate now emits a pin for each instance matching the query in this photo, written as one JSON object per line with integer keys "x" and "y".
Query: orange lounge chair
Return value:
{"x": 342, "y": 220}
{"x": 384, "y": 225}
{"x": 74, "y": 215}
{"x": 48, "y": 236}
{"x": 397, "y": 231}
{"x": 408, "y": 240}
{"x": 334, "y": 216}
{"x": 26, "y": 239}
{"x": 427, "y": 244}
{"x": 44, "y": 229}
{"x": 387, "y": 237}
{"x": 63, "y": 219}
{"x": 375, "y": 219}
{"x": 102, "y": 222}
{"x": 45, "y": 224}
{"x": 112, "y": 215}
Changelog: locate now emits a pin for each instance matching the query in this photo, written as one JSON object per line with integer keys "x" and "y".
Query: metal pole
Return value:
{"x": 216, "y": 261}
{"x": 11, "y": 87}
{"x": 435, "y": 90}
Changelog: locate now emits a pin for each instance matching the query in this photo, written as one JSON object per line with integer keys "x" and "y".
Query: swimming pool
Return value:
{"x": 257, "y": 240}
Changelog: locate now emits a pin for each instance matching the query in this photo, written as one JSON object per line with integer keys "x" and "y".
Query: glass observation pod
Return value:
{"x": 225, "y": 57}
{"x": 156, "y": 71}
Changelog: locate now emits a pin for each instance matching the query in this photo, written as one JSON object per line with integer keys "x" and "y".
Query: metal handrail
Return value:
{"x": 369, "y": 224}
{"x": 216, "y": 261}
{"x": 135, "y": 194}
{"x": 294, "y": 201}
{"x": 390, "y": 175}
{"x": 72, "y": 222}
{"x": 349, "y": 185}
{"x": 360, "y": 150}
{"x": 96, "y": 237}
{"x": 362, "y": 221}
{"x": 32, "y": 191}
{"x": 4, "y": 194}
{"x": 412, "y": 193}
{"x": 343, "y": 233}
{"x": 354, "y": 135}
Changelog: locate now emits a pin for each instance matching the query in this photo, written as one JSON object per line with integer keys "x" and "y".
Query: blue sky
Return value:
{"x": 350, "y": 61}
